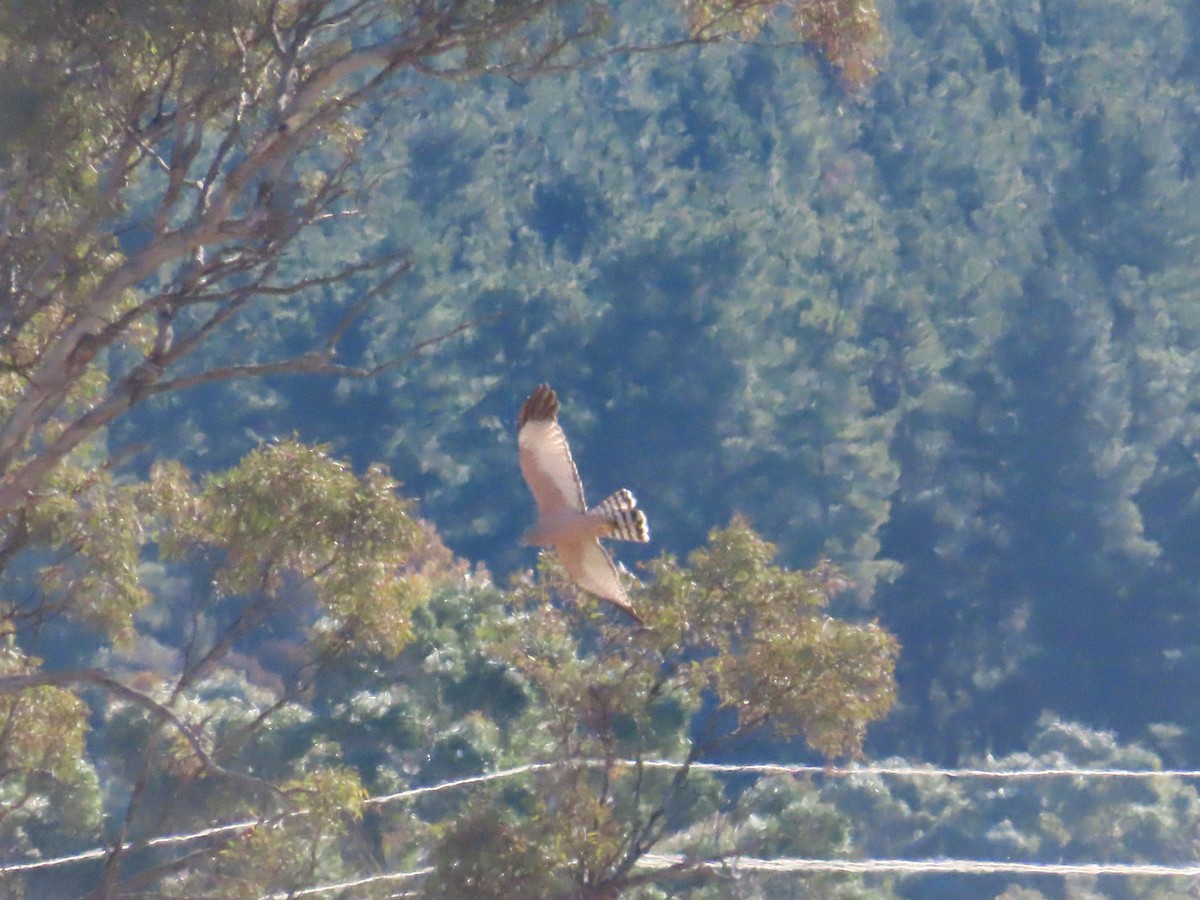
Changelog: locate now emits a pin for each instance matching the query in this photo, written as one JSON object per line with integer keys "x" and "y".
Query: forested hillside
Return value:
{"x": 888, "y": 317}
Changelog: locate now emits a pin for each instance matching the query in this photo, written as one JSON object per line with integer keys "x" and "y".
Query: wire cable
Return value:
{"x": 911, "y": 771}
{"x": 739, "y": 865}
{"x": 920, "y": 866}
{"x": 716, "y": 768}
{"x": 346, "y": 885}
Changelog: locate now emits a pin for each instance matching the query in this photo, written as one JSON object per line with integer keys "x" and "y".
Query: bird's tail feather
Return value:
{"x": 623, "y": 519}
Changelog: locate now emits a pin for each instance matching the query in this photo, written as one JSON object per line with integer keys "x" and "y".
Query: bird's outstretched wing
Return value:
{"x": 591, "y": 567}
{"x": 546, "y": 459}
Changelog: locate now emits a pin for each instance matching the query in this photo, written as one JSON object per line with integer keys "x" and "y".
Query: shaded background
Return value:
{"x": 943, "y": 332}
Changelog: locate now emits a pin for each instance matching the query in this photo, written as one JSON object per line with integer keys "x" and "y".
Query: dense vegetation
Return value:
{"x": 930, "y": 333}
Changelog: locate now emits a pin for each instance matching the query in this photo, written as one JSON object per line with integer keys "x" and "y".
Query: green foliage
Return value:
{"x": 756, "y": 636}
{"x": 945, "y": 334}
{"x": 599, "y": 697}
{"x": 92, "y": 524}
{"x": 296, "y": 850}
{"x": 655, "y": 278}
{"x": 46, "y": 781}
{"x": 284, "y": 562}
{"x": 730, "y": 622}
{"x": 290, "y": 510}
{"x": 486, "y": 853}
{"x": 1060, "y": 819}
{"x": 847, "y": 32}
{"x": 783, "y": 817}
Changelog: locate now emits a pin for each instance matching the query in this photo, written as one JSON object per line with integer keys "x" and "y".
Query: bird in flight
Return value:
{"x": 564, "y": 520}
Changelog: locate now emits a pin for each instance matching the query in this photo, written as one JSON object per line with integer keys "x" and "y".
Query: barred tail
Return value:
{"x": 623, "y": 519}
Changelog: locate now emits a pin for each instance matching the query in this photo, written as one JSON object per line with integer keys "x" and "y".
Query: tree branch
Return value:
{"x": 11, "y": 684}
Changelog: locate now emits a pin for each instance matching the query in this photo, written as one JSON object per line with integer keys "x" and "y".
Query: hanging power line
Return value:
{"x": 346, "y": 885}
{"x": 101, "y": 852}
{"x": 908, "y": 771}
{"x": 739, "y": 865}
{"x": 911, "y": 771}
{"x": 249, "y": 824}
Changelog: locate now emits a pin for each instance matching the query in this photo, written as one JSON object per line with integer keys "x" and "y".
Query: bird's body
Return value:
{"x": 564, "y": 520}
{"x": 615, "y": 517}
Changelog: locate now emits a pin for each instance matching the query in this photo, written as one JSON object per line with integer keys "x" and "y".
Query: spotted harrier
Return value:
{"x": 564, "y": 520}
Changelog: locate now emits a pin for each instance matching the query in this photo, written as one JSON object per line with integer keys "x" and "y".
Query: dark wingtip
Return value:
{"x": 629, "y": 611}
{"x": 539, "y": 406}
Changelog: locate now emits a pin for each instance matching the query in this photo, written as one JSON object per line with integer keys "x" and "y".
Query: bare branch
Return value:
{"x": 225, "y": 223}
{"x": 147, "y": 379}
{"x": 315, "y": 362}
{"x": 251, "y": 615}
